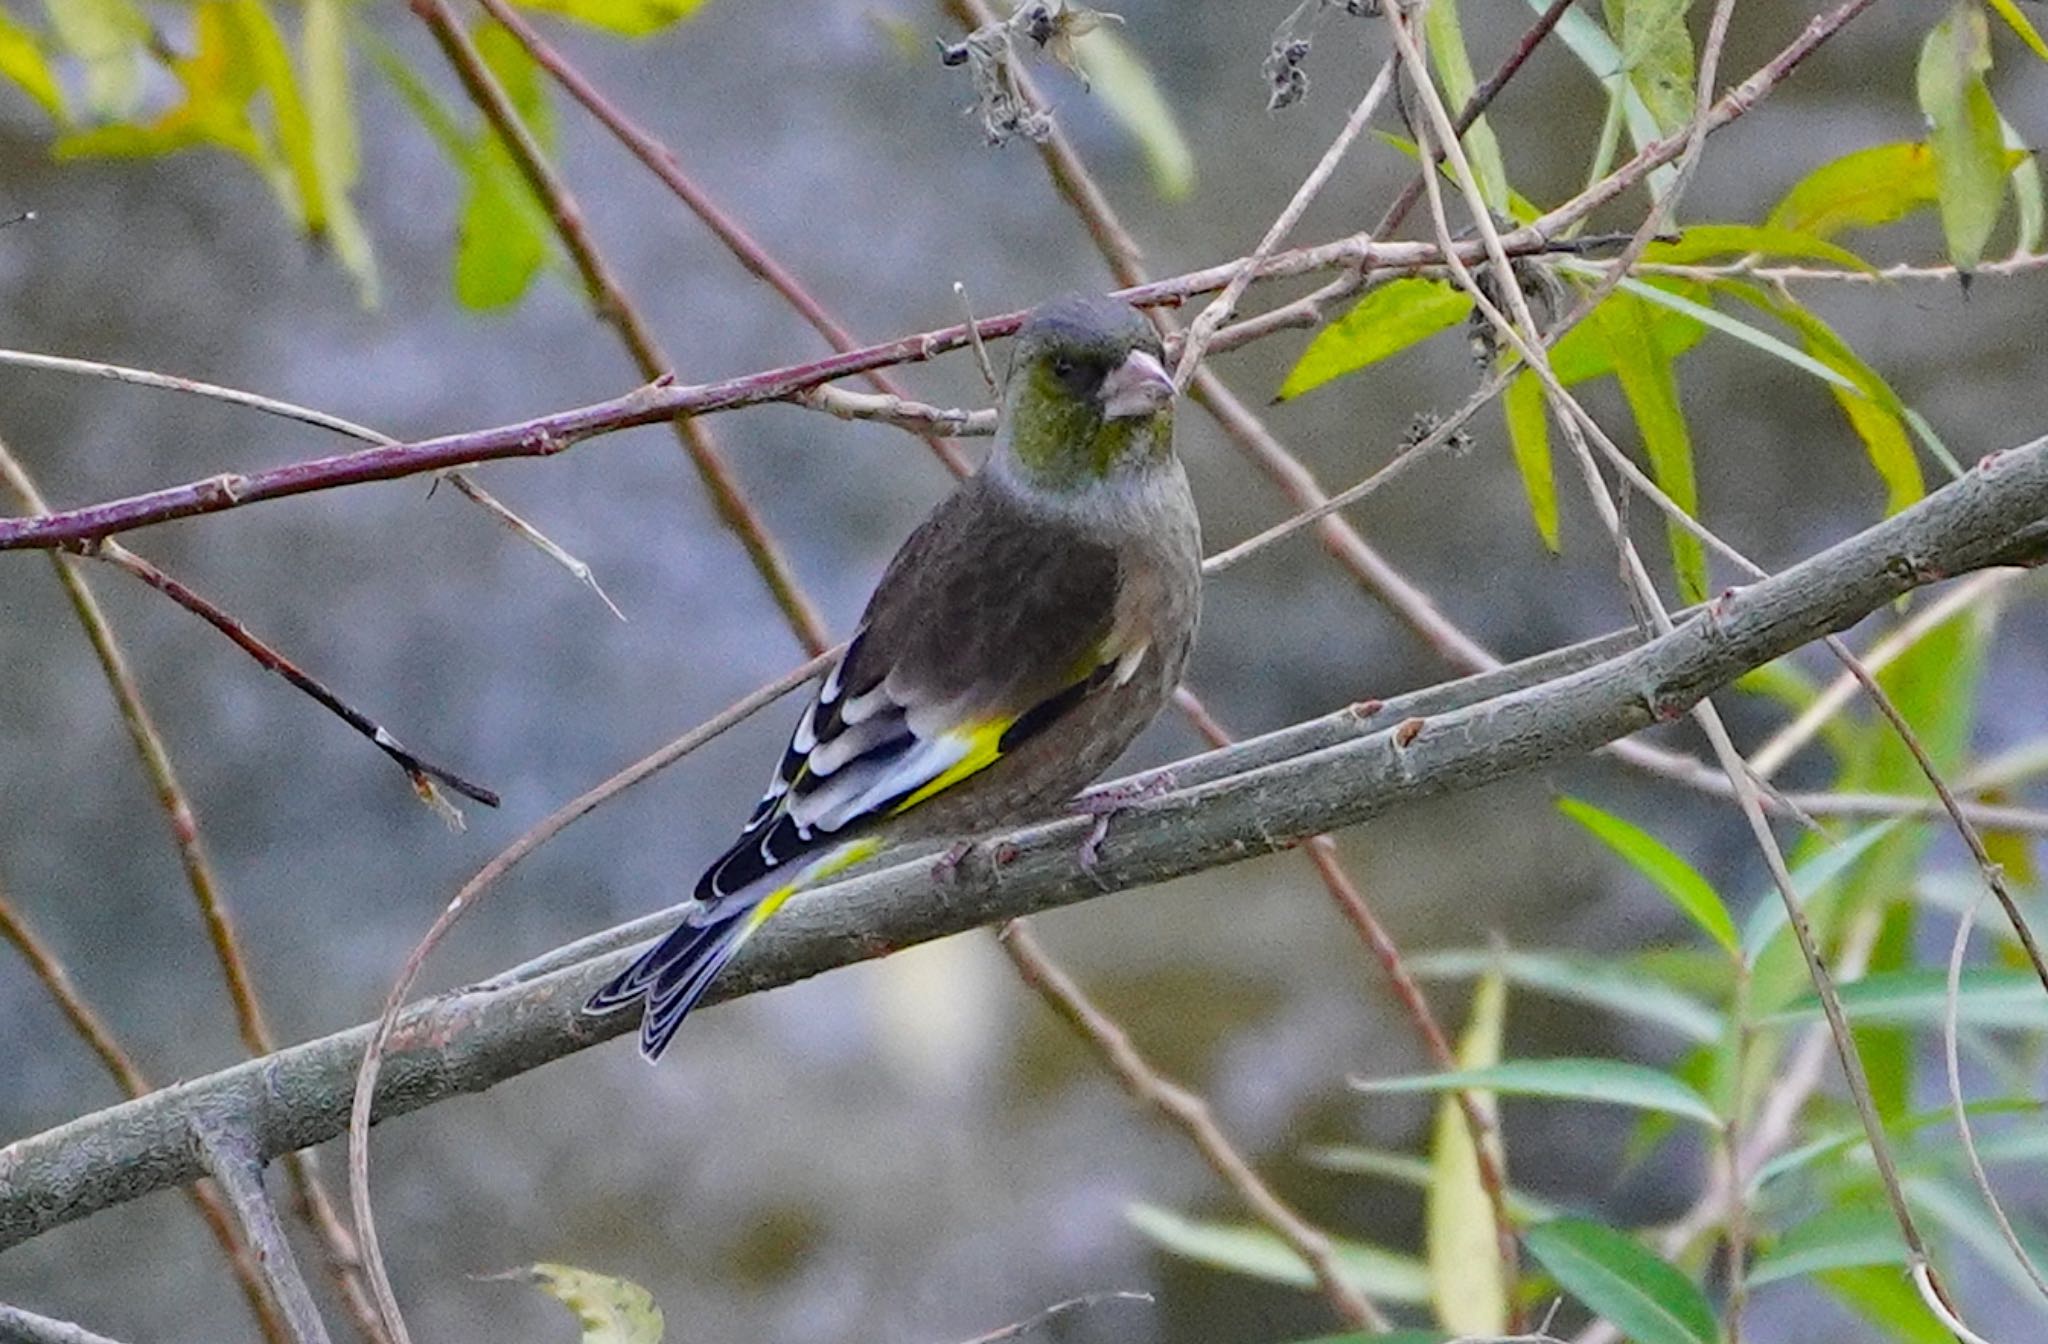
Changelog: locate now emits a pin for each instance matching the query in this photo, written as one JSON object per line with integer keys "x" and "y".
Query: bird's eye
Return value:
{"x": 1062, "y": 366}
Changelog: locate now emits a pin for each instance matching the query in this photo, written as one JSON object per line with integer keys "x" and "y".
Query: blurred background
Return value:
{"x": 911, "y": 1149}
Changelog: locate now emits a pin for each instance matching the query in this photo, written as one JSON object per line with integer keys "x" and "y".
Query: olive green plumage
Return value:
{"x": 1029, "y": 628}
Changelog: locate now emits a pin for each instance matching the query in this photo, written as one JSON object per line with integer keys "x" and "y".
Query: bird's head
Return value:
{"x": 1088, "y": 396}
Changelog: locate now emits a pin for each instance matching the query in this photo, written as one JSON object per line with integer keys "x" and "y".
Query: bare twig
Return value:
{"x": 310, "y": 1194}
{"x": 25, "y": 1327}
{"x": 1268, "y": 794}
{"x": 1037, "y": 1320}
{"x": 237, "y": 1168}
{"x": 1191, "y": 1114}
{"x": 660, "y": 160}
{"x": 471, "y": 893}
{"x": 609, "y": 299}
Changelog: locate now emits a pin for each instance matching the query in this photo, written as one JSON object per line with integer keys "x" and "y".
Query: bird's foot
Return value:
{"x": 1106, "y": 803}
{"x": 946, "y": 867}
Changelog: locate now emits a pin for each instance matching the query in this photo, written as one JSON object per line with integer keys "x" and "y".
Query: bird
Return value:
{"x": 1026, "y": 631}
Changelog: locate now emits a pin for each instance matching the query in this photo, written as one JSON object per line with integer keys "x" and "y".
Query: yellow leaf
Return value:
{"x": 1968, "y": 143}
{"x": 1132, "y": 96}
{"x": 1529, "y": 436}
{"x": 611, "y": 1311}
{"x": 1454, "y": 69}
{"x": 2021, "y": 24}
{"x": 22, "y": 61}
{"x": 108, "y": 37}
{"x": 332, "y": 118}
{"x": 1466, "y": 1276}
{"x": 630, "y": 18}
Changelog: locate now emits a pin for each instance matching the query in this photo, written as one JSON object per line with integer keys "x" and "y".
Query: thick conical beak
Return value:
{"x": 1138, "y": 386}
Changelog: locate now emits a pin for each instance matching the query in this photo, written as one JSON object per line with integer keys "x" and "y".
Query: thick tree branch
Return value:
{"x": 1313, "y": 778}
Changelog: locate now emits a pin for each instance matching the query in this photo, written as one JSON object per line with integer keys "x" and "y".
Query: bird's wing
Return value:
{"x": 972, "y": 645}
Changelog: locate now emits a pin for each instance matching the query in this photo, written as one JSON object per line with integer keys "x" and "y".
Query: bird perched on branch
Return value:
{"x": 1023, "y": 635}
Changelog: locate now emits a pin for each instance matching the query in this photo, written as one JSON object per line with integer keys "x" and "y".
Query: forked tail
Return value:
{"x": 672, "y": 975}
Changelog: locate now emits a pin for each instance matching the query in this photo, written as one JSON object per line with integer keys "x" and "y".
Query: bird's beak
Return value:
{"x": 1138, "y": 386}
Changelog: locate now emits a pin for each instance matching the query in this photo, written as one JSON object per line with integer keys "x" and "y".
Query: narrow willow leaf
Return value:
{"x": 1859, "y": 191}
{"x": 1446, "y": 41}
{"x": 502, "y": 235}
{"x": 1694, "y": 896}
{"x": 1467, "y": 1278}
{"x": 1595, "y": 50}
{"x": 1969, "y": 148}
{"x": 1650, "y": 386}
{"x": 1405, "y": 1169}
{"x": 2026, "y": 189}
{"x": 1887, "y": 1299}
{"x": 1708, "y": 242}
{"x": 1612, "y": 1082}
{"x": 2016, "y": 19}
{"x": 107, "y": 37}
{"x": 611, "y": 1311}
{"x": 1869, "y": 404}
{"x": 1809, "y": 881}
{"x": 1599, "y": 981}
{"x": 1257, "y": 1253}
{"x": 331, "y": 106}
{"x": 1582, "y": 353}
{"x": 1987, "y": 998}
{"x": 24, "y": 64}
{"x": 1528, "y": 421}
{"x": 1644, "y": 1297}
{"x": 1855, "y": 1140}
{"x": 1120, "y": 77}
{"x": 291, "y": 128}
{"x": 1843, "y": 1237}
{"x": 629, "y": 18}
{"x": 1656, "y": 51}
{"x": 1388, "y": 320}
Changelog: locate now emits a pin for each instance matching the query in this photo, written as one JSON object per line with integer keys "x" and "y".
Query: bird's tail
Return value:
{"x": 673, "y": 975}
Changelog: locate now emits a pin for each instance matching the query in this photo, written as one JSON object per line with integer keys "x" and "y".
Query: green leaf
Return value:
{"x": 502, "y": 234}
{"x": 1595, "y": 50}
{"x": 2017, "y": 20}
{"x": 108, "y": 38}
{"x": 1404, "y": 1169}
{"x": 611, "y": 1311}
{"x": 1645, "y": 1298}
{"x": 1650, "y": 386}
{"x": 1257, "y": 1253}
{"x": 1446, "y": 42}
{"x": 1582, "y": 353}
{"x": 1656, "y": 51}
{"x": 1612, "y": 1082}
{"x": 1528, "y": 422}
{"x": 1388, "y": 320}
{"x": 263, "y": 47}
{"x": 23, "y": 62}
{"x": 1810, "y": 879}
{"x": 1853, "y": 1138}
{"x": 1843, "y": 1237}
{"x": 1986, "y": 998}
{"x": 1119, "y": 75}
{"x": 1859, "y": 191}
{"x": 1969, "y": 147}
{"x": 1694, "y": 896}
{"x": 1709, "y": 242}
{"x": 1468, "y": 1285}
{"x": 1599, "y": 981}
{"x": 1887, "y": 1299}
{"x": 629, "y": 18}
{"x": 1873, "y": 410}
{"x": 2026, "y": 190}
{"x": 332, "y": 115}
{"x": 218, "y": 79}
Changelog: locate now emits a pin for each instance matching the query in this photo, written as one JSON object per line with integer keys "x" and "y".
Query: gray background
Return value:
{"x": 909, "y": 1150}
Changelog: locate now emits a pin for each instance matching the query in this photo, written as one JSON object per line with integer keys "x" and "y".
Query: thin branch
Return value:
{"x": 25, "y": 1327}
{"x": 465, "y": 899}
{"x": 1018, "y": 1329}
{"x": 310, "y": 1194}
{"x": 423, "y": 774}
{"x": 468, "y": 1041}
{"x": 45, "y": 966}
{"x": 231, "y": 1159}
{"x": 617, "y": 310}
{"x": 660, "y": 160}
{"x": 1191, "y": 1114}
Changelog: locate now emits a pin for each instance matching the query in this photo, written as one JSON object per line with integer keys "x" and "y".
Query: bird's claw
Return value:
{"x": 1105, "y": 803}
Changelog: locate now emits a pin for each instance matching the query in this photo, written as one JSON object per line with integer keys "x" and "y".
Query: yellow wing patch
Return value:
{"x": 984, "y": 745}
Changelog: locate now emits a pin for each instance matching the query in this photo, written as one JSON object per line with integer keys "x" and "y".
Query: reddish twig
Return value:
{"x": 1191, "y": 1114}
{"x": 660, "y": 160}
{"x": 610, "y": 300}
